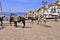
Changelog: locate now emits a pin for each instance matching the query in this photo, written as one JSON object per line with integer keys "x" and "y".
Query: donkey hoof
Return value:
{"x": 23, "y": 27}
{"x": 15, "y": 27}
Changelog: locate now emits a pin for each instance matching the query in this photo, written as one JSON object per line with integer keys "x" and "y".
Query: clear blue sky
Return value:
{"x": 22, "y": 5}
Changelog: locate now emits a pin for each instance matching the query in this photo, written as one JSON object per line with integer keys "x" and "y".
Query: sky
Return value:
{"x": 22, "y": 5}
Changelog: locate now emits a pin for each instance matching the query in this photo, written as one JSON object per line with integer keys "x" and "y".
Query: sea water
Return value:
{"x": 16, "y": 14}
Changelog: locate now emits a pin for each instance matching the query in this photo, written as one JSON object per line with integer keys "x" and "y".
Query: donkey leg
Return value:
{"x": 1, "y": 23}
{"x": 23, "y": 23}
{"x": 15, "y": 23}
{"x": 32, "y": 21}
{"x": 10, "y": 24}
{"x": 38, "y": 21}
{"x": 45, "y": 21}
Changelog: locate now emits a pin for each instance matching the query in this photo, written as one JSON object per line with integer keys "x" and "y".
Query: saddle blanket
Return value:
{"x": 15, "y": 18}
{"x": 43, "y": 18}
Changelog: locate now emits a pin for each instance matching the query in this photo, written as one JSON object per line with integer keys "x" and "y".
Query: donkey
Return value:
{"x": 19, "y": 19}
{"x": 1, "y": 19}
{"x": 42, "y": 18}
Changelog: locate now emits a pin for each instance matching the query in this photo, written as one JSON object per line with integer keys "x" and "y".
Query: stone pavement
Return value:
{"x": 50, "y": 31}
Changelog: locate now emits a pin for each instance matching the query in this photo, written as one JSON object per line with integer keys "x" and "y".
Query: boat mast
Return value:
{"x": 0, "y": 7}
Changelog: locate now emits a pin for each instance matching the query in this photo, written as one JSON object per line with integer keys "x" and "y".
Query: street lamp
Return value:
{"x": 44, "y": 3}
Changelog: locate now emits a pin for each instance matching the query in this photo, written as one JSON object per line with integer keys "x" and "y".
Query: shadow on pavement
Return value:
{"x": 19, "y": 26}
{"x": 1, "y": 27}
{"x": 47, "y": 26}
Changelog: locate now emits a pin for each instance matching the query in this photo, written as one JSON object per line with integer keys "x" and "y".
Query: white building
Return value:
{"x": 53, "y": 8}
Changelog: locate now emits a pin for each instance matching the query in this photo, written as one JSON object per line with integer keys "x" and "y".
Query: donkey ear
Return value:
{"x": 18, "y": 18}
{"x": 3, "y": 16}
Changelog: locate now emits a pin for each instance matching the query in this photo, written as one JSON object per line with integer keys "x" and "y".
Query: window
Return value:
{"x": 53, "y": 9}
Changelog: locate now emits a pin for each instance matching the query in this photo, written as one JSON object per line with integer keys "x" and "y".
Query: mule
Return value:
{"x": 20, "y": 19}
